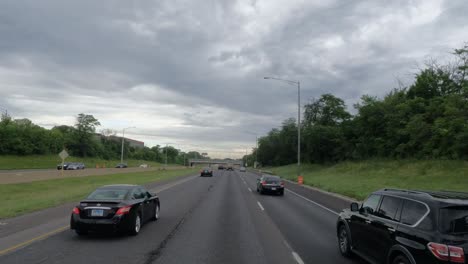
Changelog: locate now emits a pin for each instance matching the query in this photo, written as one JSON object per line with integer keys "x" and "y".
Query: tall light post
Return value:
{"x": 256, "y": 148}
{"x": 123, "y": 142}
{"x": 298, "y": 84}
{"x": 165, "y": 166}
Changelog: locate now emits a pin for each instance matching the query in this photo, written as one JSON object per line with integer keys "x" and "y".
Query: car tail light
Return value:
{"x": 263, "y": 182}
{"x": 76, "y": 210}
{"x": 447, "y": 253}
{"x": 124, "y": 210}
{"x": 282, "y": 184}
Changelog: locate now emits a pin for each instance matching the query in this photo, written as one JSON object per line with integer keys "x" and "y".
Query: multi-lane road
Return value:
{"x": 203, "y": 220}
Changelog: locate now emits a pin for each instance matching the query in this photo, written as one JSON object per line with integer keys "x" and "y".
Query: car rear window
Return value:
{"x": 453, "y": 220}
{"x": 272, "y": 180}
{"x": 108, "y": 194}
{"x": 412, "y": 212}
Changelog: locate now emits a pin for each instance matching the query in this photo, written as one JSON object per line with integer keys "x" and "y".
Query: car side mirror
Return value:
{"x": 354, "y": 207}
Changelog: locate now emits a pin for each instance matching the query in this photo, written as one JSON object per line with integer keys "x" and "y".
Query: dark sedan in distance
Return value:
{"x": 121, "y": 165}
{"x": 116, "y": 208}
{"x": 206, "y": 172}
{"x": 270, "y": 184}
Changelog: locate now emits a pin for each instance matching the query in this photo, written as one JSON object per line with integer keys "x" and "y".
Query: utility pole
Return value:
{"x": 123, "y": 143}
{"x": 298, "y": 84}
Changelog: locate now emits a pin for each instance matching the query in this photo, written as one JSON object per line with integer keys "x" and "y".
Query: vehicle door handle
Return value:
{"x": 391, "y": 229}
{"x": 368, "y": 221}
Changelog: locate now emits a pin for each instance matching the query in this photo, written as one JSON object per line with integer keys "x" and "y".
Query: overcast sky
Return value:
{"x": 190, "y": 73}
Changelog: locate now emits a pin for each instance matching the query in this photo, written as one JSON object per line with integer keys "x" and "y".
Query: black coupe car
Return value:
{"x": 270, "y": 184}
{"x": 206, "y": 172}
{"x": 115, "y": 208}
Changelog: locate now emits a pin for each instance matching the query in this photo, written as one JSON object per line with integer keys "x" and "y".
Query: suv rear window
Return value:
{"x": 453, "y": 220}
{"x": 412, "y": 212}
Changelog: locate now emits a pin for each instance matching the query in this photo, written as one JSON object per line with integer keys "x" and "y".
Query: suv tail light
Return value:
{"x": 124, "y": 210}
{"x": 263, "y": 182}
{"x": 282, "y": 184}
{"x": 76, "y": 210}
{"x": 447, "y": 253}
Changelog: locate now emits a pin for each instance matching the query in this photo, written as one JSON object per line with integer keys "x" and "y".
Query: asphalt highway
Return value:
{"x": 220, "y": 219}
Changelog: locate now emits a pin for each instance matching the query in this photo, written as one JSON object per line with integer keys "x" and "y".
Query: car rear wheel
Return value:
{"x": 344, "y": 241}
{"x": 401, "y": 260}
{"x": 136, "y": 225}
{"x": 281, "y": 193}
{"x": 156, "y": 213}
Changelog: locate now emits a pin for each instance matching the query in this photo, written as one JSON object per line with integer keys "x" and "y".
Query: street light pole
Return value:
{"x": 123, "y": 142}
{"x": 298, "y": 84}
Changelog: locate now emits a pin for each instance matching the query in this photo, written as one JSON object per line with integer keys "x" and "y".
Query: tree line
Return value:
{"x": 426, "y": 120}
{"x": 23, "y": 137}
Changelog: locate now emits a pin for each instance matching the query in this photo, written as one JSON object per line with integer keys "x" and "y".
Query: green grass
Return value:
{"x": 8, "y": 162}
{"x": 17, "y": 199}
{"x": 359, "y": 179}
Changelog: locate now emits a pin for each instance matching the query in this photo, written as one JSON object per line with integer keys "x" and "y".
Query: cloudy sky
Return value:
{"x": 190, "y": 73}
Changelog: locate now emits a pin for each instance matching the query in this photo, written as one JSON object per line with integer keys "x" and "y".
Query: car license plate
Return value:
{"x": 97, "y": 212}
{"x": 273, "y": 189}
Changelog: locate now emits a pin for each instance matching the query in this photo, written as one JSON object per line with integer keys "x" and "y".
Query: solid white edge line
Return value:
{"x": 260, "y": 205}
{"x": 297, "y": 258}
{"x": 250, "y": 190}
{"x": 319, "y": 205}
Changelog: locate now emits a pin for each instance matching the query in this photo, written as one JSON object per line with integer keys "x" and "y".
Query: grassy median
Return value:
{"x": 359, "y": 179}
{"x": 9, "y": 162}
{"x": 17, "y": 199}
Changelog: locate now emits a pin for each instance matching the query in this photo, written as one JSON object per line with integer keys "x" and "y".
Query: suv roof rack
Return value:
{"x": 433, "y": 194}
{"x": 407, "y": 191}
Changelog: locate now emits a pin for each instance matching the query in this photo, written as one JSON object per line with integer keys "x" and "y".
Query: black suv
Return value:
{"x": 406, "y": 227}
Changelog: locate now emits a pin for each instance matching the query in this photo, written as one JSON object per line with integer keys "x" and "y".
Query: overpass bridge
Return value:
{"x": 210, "y": 162}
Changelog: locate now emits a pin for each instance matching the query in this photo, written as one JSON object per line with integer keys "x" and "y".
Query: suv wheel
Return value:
{"x": 344, "y": 241}
{"x": 401, "y": 260}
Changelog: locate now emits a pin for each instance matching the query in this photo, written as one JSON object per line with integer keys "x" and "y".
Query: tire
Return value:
{"x": 136, "y": 227}
{"x": 156, "y": 213}
{"x": 281, "y": 193}
{"x": 81, "y": 232}
{"x": 344, "y": 243}
{"x": 258, "y": 190}
{"x": 400, "y": 259}
{"x": 262, "y": 191}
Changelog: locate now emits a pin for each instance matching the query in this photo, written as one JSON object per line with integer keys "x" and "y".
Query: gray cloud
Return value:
{"x": 192, "y": 71}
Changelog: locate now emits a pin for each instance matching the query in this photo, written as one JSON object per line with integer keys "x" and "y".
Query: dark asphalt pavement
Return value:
{"x": 207, "y": 220}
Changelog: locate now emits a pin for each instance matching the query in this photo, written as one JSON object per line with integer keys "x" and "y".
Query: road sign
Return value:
{"x": 63, "y": 155}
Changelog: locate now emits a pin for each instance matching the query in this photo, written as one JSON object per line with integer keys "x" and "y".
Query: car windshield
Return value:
{"x": 454, "y": 220}
{"x": 108, "y": 194}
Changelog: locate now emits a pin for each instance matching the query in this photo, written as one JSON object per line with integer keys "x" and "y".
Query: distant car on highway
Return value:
{"x": 406, "y": 227}
{"x": 121, "y": 165}
{"x": 65, "y": 165}
{"x": 220, "y": 167}
{"x": 206, "y": 172}
{"x": 144, "y": 166}
{"x": 242, "y": 169}
{"x": 71, "y": 166}
{"x": 116, "y": 208}
{"x": 270, "y": 184}
{"x": 230, "y": 168}
{"x": 75, "y": 166}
